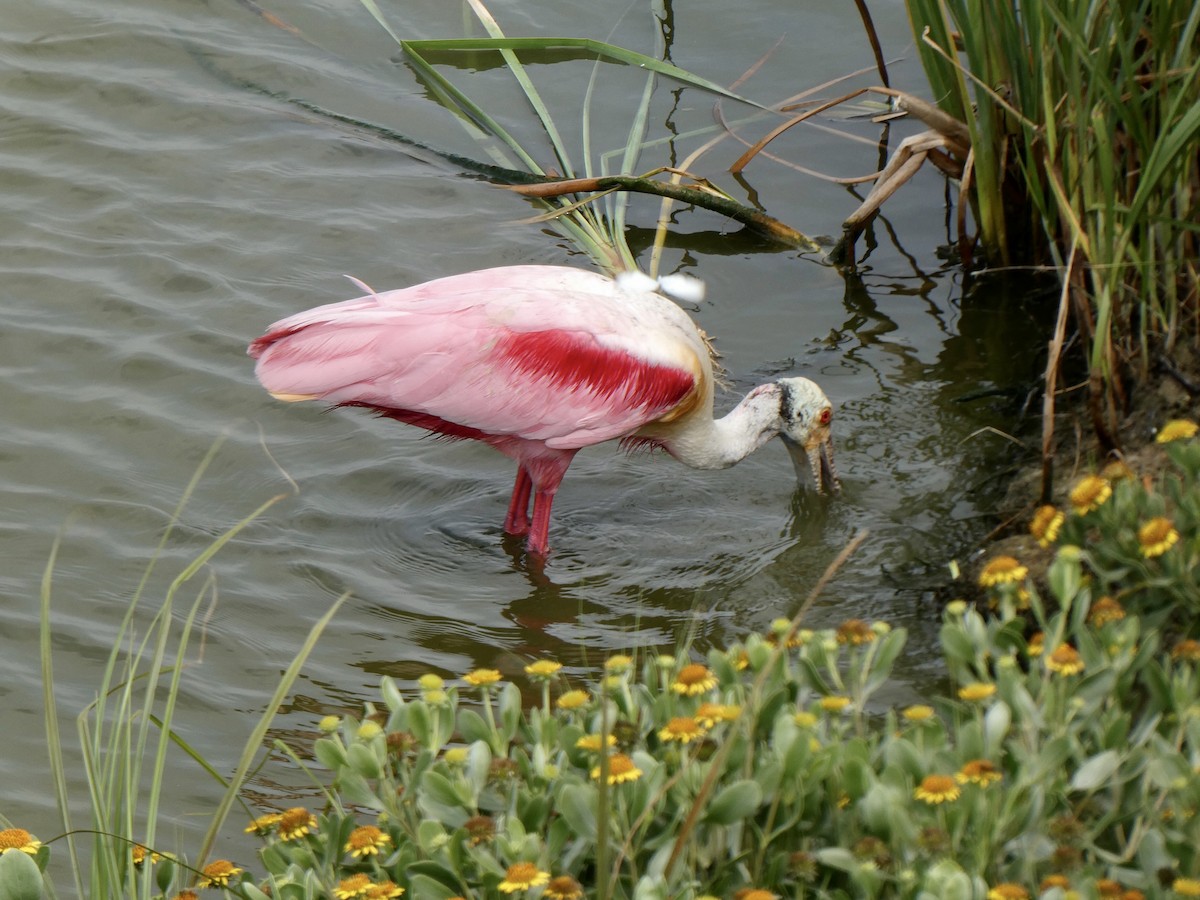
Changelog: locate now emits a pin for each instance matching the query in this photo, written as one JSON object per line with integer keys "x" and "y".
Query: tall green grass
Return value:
{"x": 591, "y": 216}
{"x": 127, "y": 733}
{"x": 1084, "y": 121}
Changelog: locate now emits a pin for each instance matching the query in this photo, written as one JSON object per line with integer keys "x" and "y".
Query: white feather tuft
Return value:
{"x": 635, "y": 282}
{"x": 688, "y": 288}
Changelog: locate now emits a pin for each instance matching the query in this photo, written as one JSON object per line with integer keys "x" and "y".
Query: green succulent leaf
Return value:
{"x": 735, "y": 802}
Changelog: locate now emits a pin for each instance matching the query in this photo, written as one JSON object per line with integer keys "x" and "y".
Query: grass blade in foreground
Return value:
{"x": 138, "y": 692}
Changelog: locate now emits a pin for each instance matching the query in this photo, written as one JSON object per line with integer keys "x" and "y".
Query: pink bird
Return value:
{"x": 539, "y": 362}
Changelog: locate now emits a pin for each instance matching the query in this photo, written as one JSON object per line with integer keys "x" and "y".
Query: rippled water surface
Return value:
{"x": 161, "y": 207}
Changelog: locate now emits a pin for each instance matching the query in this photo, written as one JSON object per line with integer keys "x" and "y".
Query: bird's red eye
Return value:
{"x": 826, "y": 416}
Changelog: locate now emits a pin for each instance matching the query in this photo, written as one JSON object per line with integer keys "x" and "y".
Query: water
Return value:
{"x": 159, "y": 213}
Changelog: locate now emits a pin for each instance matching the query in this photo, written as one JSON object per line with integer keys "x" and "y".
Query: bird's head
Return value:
{"x": 806, "y": 415}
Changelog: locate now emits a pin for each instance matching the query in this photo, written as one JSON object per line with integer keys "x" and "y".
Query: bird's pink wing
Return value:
{"x": 549, "y": 354}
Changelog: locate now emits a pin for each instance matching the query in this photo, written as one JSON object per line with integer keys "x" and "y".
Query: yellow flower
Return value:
{"x": 1065, "y": 660}
{"x": 694, "y": 679}
{"x": 543, "y": 668}
{"x": 1054, "y": 881}
{"x": 1186, "y": 887}
{"x": 431, "y": 682}
{"x": 139, "y": 854}
{"x": 682, "y": 729}
{"x": 1002, "y": 570}
{"x": 1188, "y": 649}
{"x": 781, "y": 630}
{"x": 366, "y": 840}
{"x": 918, "y": 713}
{"x": 482, "y": 677}
{"x": 385, "y": 890}
{"x": 369, "y": 730}
{"x": 264, "y": 824}
{"x": 594, "y": 742}
{"x": 573, "y": 700}
{"x": 217, "y": 873}
{"x": 1105, "y": 610}
{"x": 1006, "y": 890}
{"x": 1177, "y": 430}
{"x": 833, "y": 703}
{"x": 186, "y": 894}
{"x": 618, "y": 665}
{"x": 978, "y": 771}
{"x": 18, "y": 839}
{"x": 295, "y": 823}
{"x": 620, "y": 769}
{"x": 564, "y": 887}
{"x": 1157, "y": 536}
{"x": 855, "y": 631}
{"x": 976, "y": 690}
{"x": 1117, "y": 470}
{"x": 935, "y": 789}
{"x": 456, "y": 756}
{"x": 804, "y": 719}
{"x": 754, "y": 894}
{"x": 1106, "y": 887}
{"x": 709, "y": 714}
{"x": 1037, "y": 644}
{"x": 353, "y": 887}
{"x": 1046, "y": 524}
{"x": 329, "y": 724}
{"x": 522, "y": 876}
{"x": 1089, "y": 493}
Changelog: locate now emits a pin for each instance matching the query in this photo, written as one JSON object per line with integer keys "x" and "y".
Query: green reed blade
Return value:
{"x": 254, "y": 742}
{"x": 586, "y": 47}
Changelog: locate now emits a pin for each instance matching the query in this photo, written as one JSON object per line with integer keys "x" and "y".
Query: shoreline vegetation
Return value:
{"x": 1063, "y": 758}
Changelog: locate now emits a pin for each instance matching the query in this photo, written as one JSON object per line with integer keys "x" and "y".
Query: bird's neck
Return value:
{"x": 707, "y": 443}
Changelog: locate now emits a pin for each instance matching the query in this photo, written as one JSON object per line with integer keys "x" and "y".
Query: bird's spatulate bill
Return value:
{"x": 814, "y": 463}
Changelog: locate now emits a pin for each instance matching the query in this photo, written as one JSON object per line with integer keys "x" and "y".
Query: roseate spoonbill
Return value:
{"x": 539, "y": 362}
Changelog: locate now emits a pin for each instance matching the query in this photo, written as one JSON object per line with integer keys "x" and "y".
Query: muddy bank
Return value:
{"x": 1170, "y": 393}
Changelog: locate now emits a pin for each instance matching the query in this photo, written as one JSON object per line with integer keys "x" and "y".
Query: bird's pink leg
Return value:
{"x": 546, "y": 472}
{"x": 517, "y": 520}
{"x": 538, "y": 542}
